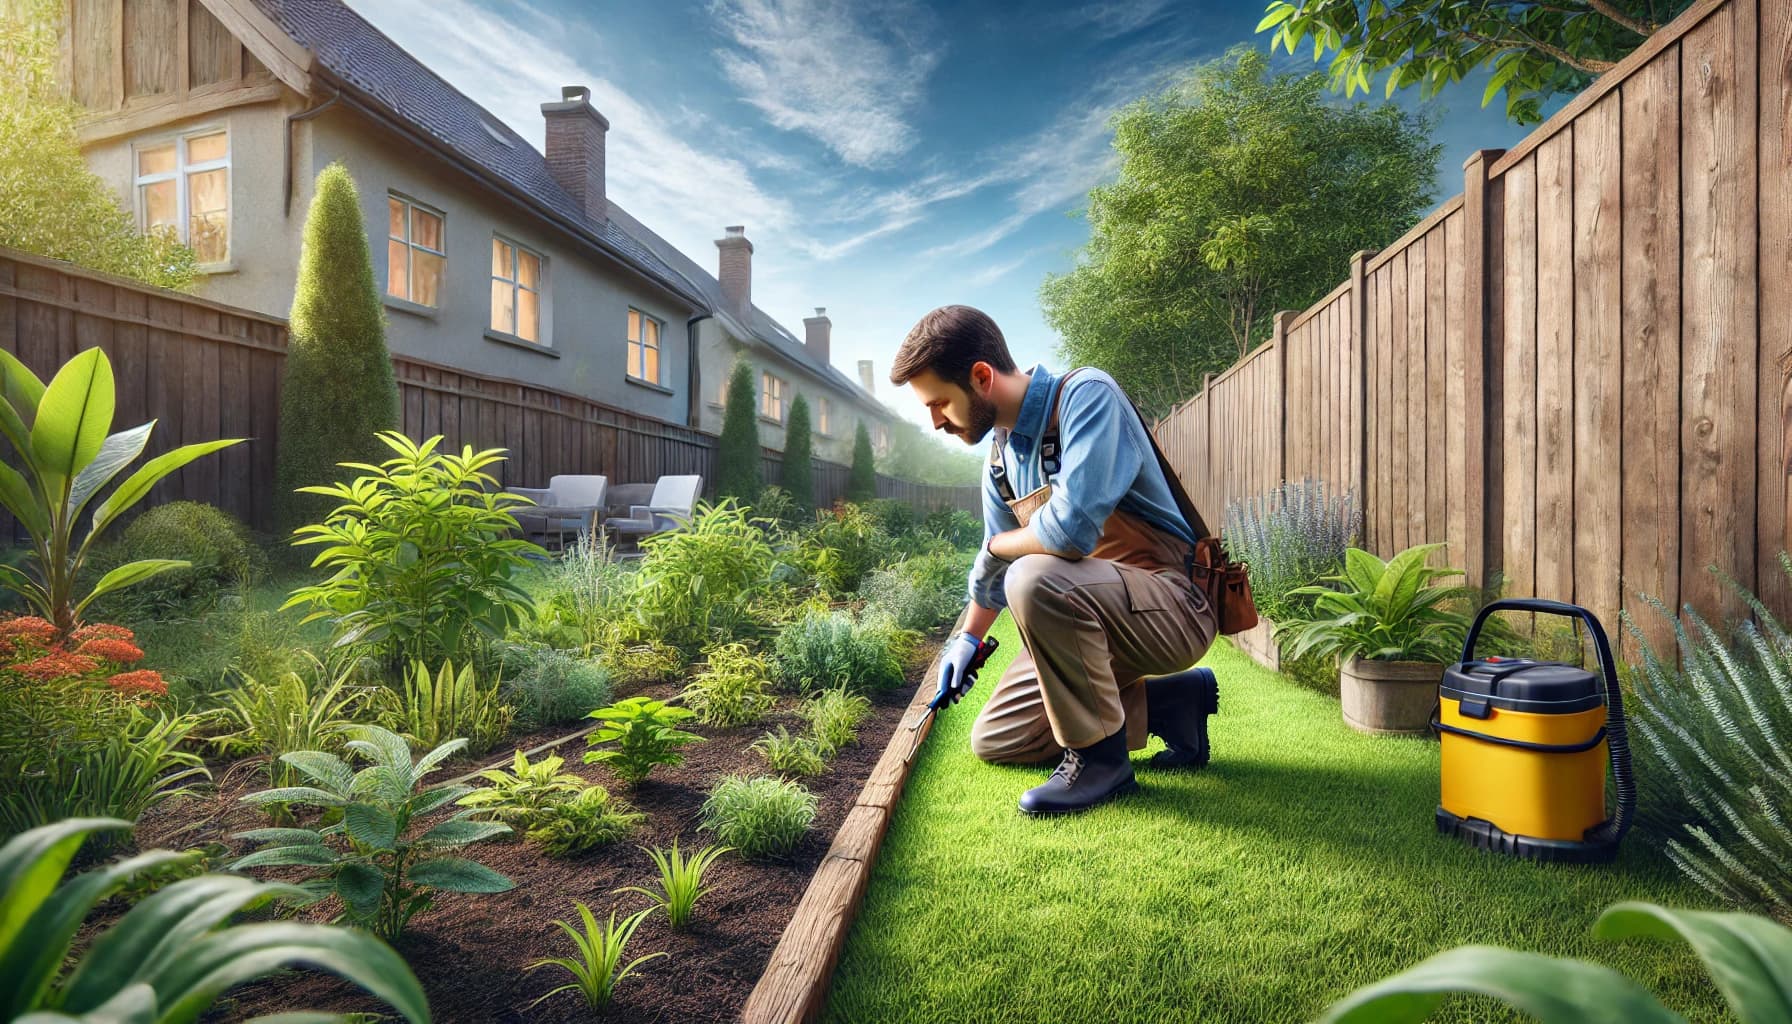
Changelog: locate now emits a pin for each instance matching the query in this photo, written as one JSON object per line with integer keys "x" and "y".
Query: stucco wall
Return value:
{"x": 717, "y": 352}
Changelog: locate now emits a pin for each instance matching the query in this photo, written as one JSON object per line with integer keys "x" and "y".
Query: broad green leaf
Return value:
{"x": 1278, "y": 13}
{"x": 456, "y": 874}
{"x": 1748, "y": 956}
{"x": 283, "y": 836}
{"x": 118, "y": 451}
{"x": 148, "y": 475}
{"x": 21, "y": 388}
{"x": 32, "y": 862}
{"x": 295, "y": 795}
{"x": 285, "y": 856}
{"x": 23, "y": 502}
{"x": 370, "y": 826}
{"x": 1554, "y": 991}
{"x": 461, "y": 833}
{"x": 360, "y": 886}
{"x": 226, "y": 959}
{"x": 322, "y": 767}
{"x": 129, "y": 574}
{"x": 74, "y": 416}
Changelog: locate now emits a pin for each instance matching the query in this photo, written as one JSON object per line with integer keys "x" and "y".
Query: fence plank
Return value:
{"x": 1436, "y": 369}
{"x": 1518, "y": 409}
{"x": 1774, "y": 201}
{"x": 1555, "y": 368}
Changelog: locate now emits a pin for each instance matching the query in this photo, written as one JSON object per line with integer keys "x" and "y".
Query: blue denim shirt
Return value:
{"x": 1105, "y": 462}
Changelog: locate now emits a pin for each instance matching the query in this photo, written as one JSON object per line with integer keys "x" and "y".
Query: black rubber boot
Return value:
{"x": 1086, "y": 777}
{"x": 1176, "y": 709}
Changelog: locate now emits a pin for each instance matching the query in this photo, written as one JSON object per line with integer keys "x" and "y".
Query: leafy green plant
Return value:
{"x": 955, "y": 526}
{"x": 1290, "y": 537}
{"x": 826, "y": 650}
{"x": 843, "y": 546}
{"x": 591, "y": 818}
{"x": 1746, "y": 955}
{"x": 644, "y": 661}
{"x": 834, "y": 716}
{"x": 731, "y": 690}
{"x": 645, "y": 733}
{"x": 793, "y": 755}
{"x": 170, "y": 957}
{"x": 681, "y": 881}
{"x": 423, "y": 556}
{"x": 587, "y": 593}
{"x": 551, "y": 686}
{"x": 760, "y": 816}
{"x": 432, "y": 709}
{"x": 778, "y": 506}
{"x": 1387, "y": 611}
{"x": 594, "y": 970}
{"x": 518, "y": 795}
{"x": 920, "y": 592}
{"x": 214, "y": 544}
{"x": 1716, "y": 742}
{"x": 61, "y": 435}
{"x": 697, "y": 584}
{"x": 297, "y": 711}
{"x": 382, "y": 878}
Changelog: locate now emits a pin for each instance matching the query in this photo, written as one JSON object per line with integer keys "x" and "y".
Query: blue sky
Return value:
{"x": 886, "y": 158}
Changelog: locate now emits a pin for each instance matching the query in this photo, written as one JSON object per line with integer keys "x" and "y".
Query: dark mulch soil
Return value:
{"x": 471, "y": 952}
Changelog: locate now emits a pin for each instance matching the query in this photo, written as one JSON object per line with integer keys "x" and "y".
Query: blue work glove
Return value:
{"x": 959, "y": 662}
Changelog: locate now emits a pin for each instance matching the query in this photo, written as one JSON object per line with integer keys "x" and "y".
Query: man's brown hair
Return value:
{"x": 949, "y": 341}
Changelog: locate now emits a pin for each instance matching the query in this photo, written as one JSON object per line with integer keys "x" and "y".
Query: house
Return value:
{"x": 213, "y": 117}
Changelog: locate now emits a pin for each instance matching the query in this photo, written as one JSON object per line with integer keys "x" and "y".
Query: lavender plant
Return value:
{"x": 1290, "y": 537}
{"x": 1716, "y": 742}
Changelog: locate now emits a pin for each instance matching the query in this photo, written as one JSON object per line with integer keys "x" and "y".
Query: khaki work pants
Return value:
{"x": 1092, "y": 629}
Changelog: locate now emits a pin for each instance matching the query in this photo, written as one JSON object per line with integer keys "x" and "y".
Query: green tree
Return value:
{"x": 1536, "y": 50}
{"x": 737, "y": 454}
{"x": 339, "y": 389}
{"x": 799, "y": 455}
{"x": 50, "y": 203}
{"x": 1239, "y": 194}
{"x": 861, "y": 481}
{"x": 924, "y": 459}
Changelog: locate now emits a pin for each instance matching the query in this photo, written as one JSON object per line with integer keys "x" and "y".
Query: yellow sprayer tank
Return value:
{"x": 1525, "y": 746}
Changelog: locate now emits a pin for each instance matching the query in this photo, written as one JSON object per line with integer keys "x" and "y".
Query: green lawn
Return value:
{"x": 1300, "y": 865}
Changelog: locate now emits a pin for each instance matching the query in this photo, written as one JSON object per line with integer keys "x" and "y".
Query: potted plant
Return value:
{"x": 1392, "y": 632}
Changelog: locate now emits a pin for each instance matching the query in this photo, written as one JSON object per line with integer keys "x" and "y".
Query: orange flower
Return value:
{"x": 58, "y": 664}
{"x": 29, "y": 626}
{"x": 141, "y": 681}
{"x": 121, "y": 652}
{"x": 102, "y": 631}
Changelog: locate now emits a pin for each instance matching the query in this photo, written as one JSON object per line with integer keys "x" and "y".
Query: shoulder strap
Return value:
{"x": 1049, "y": 449}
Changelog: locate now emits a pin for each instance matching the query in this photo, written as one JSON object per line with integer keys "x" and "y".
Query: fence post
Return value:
{"x": 1359, "y": 349}
{"x": 1280, "y": 340}
{"x": 1207, "y": 447}
{"x": 1482, "y": 533}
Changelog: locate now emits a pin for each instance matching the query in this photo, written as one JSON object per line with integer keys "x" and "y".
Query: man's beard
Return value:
{"x": 983, "y": 417}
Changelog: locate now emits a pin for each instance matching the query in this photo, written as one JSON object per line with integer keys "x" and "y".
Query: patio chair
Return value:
{"x": 672, "y": 501}
{"x": 568, "y": 504}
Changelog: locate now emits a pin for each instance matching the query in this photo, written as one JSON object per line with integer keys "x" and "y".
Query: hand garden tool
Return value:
{"x": 1524, "y": 749}
{"x": 984, "y": 650}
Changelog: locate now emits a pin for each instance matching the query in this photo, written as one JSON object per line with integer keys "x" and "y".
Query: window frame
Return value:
{"x": 411, "y": 205}
{"x": 659, "y": 347}
{"x": 540, "y": 292}
{"x": 823, "y": 419}
{"x": 180, "y": 174}
{"x": 766, "y": 394}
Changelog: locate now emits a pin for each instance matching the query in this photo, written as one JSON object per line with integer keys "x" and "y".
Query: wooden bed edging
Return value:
{"x": 794, "y": 987}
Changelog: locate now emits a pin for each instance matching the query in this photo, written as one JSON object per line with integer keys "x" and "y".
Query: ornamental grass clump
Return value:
{"x": 921, "y": 592}
{"x": 1291, "y": 537}
{"x": 834, "y": 717}
{"x": 698, "y": 584}
{"x": 791, "y": 754}
{"x": 760, "y": 816}
{"x": 552, "y": 687}
{"x": 829, "y": 649}
{"x": 599, "y": 949}
{"x": 681, "y": 881}
{"x": 731, "y": 690}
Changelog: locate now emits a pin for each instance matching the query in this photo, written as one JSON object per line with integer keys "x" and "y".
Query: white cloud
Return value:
{"x": 810, "y": 66}
{"x": 989, "y": 275}
{"x": 1117, "y": 17}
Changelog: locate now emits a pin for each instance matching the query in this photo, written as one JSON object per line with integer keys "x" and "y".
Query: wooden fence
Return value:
{"x": 203, "y": 371}
{"x": 1578, "y": 372}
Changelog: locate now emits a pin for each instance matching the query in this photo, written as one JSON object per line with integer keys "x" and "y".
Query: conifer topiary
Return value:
{"x": 737, "y": 454}
{"x": 799, "y": 450}
{"x": 861, "y": 483}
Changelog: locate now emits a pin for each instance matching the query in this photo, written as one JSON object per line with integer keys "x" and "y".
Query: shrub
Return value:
{"x": 435, "y": 709}
{"x": 760, "y": 817}
{"x": 731, "y": 690}
{"x": 423, "y": 556}
{"x": 778, "y": 506}
{"x": 599, "y": 947}
{"x": 861, "y": 480}
{"x": 697, "y": 584}
{"x": 681, "y": 881}
{"x": 552, "y": 687}
{"x": 645, "y": 661}
{"x": 645, "y": 734}
{"x": 737, "y": 450}
{"x": 894, "y": 516}
{"x": 920, "y": 593}
{"x": 69, "y": 454}
{"x": 1290, "y": 537}
{"x": 591, "y": 818}
{"x": 339, "y": 389}
{"x": 169, "y": 957}
{"x": 955, "y": 526}
{"x": 799, "y": 456}
{"x": 828, "y": 650}
{"x": 834, "y": 717}
{"x": 843, "y": 546}
{"x": 382, "y": 878}
{"x": 793, "y": 755}
{"x": 1714, "y": 741}
{"x": 215, "y": 546}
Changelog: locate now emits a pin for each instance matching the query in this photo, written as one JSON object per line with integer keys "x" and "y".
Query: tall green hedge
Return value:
{"x": 339, "y": 388}
{"x": 799, "y": 454}
{"x": 861, "y": 483}
{"x": 737, "y": 454}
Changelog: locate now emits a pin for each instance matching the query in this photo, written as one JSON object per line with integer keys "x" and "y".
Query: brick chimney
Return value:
{"x": 736, "y": 270}
{"x": 865, "y": 376}
{"x": 576, "y": 149}
{"x": 818, "y": 332}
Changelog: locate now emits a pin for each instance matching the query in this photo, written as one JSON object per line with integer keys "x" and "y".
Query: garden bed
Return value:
{"x": 472, "y": 952}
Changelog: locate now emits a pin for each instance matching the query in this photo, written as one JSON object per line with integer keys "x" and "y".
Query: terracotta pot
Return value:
{"x": 1392, "y": 698}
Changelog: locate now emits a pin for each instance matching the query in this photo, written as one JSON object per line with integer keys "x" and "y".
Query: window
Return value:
{"x": 183, "y": 186}
{"x": 516, "y": 290}
{"x": 771, "y": 400}
{"x": 644, "y": 348}
{"x": 416, "y": 252}
{"x": 822, "y": 415}
{"x": 880, "y": 438}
